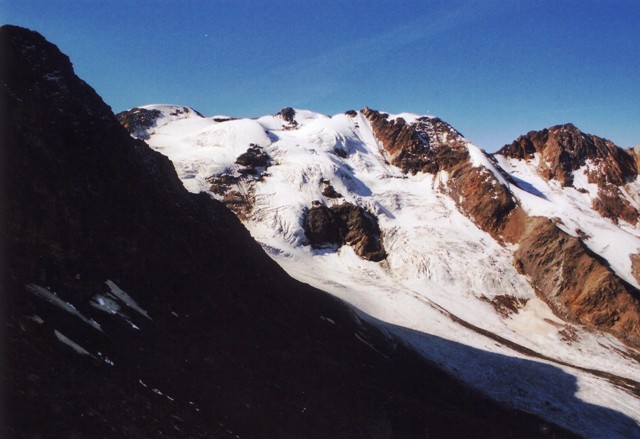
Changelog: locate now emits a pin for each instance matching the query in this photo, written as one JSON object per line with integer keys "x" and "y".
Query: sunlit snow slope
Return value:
{"x": 443, "y": 277}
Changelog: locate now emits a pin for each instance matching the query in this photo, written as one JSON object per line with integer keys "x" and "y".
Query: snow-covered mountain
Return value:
{"x": 528, "y": 254}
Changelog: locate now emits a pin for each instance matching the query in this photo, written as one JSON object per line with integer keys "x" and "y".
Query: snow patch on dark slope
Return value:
{"x": 452, "y": 219}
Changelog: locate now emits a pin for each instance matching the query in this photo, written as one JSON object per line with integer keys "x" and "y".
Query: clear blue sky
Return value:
{"x": 493, "y": 69}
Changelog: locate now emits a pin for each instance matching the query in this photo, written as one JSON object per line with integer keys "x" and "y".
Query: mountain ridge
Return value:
{"x": 544, "y": 254}
{"x": 134, "y": 309}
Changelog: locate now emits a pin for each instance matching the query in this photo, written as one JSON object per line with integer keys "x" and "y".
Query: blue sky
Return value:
{"x": 493, "y": 69}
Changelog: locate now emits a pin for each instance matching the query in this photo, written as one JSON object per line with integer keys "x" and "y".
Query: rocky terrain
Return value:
{"x": 133, "y": 308}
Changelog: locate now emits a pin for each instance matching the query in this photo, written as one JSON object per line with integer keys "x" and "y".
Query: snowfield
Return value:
{"x": 438, "y": 288}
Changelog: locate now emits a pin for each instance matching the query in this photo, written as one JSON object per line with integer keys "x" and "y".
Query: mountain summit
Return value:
{"x": 564, "y": 153}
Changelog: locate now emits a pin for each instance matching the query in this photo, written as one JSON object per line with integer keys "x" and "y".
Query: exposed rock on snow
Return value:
{"x": 288, "y": 115}
{"x": 563, "y": 149}
{"x": 139, "y": 121}
{"x": 252, "y": 160}
{"x": 328, "y": 190}
{"x": 344, "y": 224}
{"x": 321, "y": 226}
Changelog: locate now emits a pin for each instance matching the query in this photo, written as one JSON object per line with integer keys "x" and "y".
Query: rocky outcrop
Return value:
{"x": 221, "y": 184}
{"x": 402, "y": 143}
{"x": 488, "y": 202}
{"x": 138, "y": 121}
{"x": 506, "y": 305}
{"x": 328, "y": 190}
{"x": 322, "y": 227}
{"x": 141, "y": 121}
{"x": 288, "y": 114}
{"x": 344, "y": 224}
{"x": 430, "y": 145}
{"x": 612, "y": 204}
{"x": 563, "y": 149}
{"x": 236, "y": 188}
{"x": 254, "y": 160}
{"x": 575, "y": 282}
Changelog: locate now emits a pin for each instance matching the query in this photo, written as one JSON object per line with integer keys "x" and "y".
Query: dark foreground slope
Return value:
{"x": 232, "y": 347}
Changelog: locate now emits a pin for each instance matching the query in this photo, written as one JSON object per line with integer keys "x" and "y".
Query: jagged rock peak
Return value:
{"x": 288, "y": 114}
{"x": 427, "y": 144}
{"x": 564, "y": 149}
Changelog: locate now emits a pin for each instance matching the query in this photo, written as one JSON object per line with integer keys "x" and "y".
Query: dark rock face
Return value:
{"x": 322, "y": 227}
{"x": 328, "y": 190}
{"x": 138, "y": 121}
{"x": 564, "y": 149}
{"x": 577, "y": 284}
{"x": 254, "y": 158}
{"x": 288, "y": 114}
{"x": 233, "y": 346}
{"x": 345, "y": 224}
